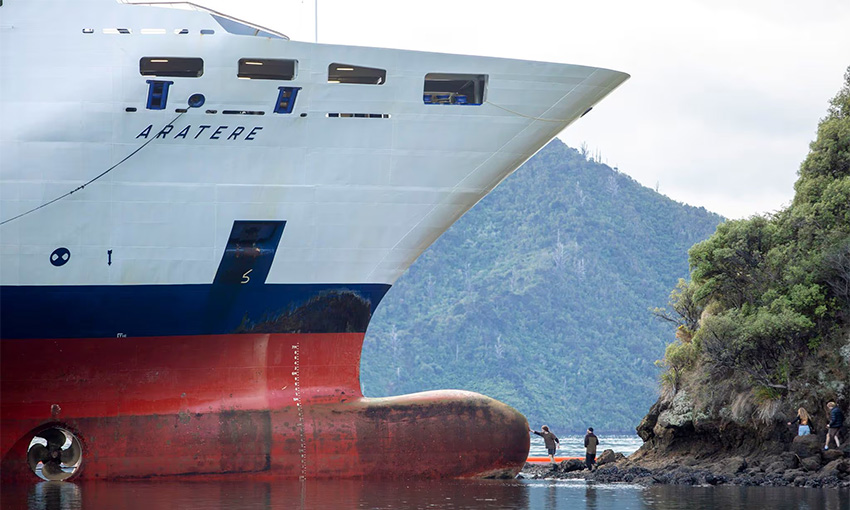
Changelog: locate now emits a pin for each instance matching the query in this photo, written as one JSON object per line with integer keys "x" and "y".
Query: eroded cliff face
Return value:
{"x": 674, "y": 428}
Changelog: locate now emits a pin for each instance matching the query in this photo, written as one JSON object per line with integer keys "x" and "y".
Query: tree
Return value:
{"x": 770, "y": 294}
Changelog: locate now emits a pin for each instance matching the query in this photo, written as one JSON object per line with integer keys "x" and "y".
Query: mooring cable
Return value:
{"x": 80, "y": 187}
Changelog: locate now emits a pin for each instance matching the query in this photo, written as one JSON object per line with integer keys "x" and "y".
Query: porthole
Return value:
{"x": 196, "y": 100}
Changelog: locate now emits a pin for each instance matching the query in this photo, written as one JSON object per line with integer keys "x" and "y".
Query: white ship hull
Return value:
{"x": 361, "y": 197}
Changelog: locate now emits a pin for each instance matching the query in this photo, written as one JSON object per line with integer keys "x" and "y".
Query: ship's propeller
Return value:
{"x": 63, "y": 450}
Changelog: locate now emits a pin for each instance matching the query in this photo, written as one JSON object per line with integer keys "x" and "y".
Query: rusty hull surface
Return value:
{"x": 258, "y": 405}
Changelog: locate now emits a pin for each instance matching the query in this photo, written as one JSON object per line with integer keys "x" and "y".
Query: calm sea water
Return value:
{"x": 426, "y": 495}
{"x": 431, "y": 495}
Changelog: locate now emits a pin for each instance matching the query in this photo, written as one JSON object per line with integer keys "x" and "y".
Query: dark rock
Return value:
{"x": 606, "y": 457}
{"x": 830, "y": 470}
{"x": 831, "y": 455}
{"x": 710, "y": 479}
{"x": 645, "y": 429}
{"x": 790, "y": 460}
{"x": 806, "y": 446}
{"x": 776, "y": 467}
{"x": 764, "y": 462}
{"x": 732, "y": 465}
{"x": 639, "y": 472}
{"x": 609, "y": 456}
{"x": 568, "y": 466}
{"x": 811, "y": 463}
{"x": 792, "y": 474}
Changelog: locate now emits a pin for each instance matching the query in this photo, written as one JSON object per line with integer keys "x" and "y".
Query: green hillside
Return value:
{"x": 540, "y": 297}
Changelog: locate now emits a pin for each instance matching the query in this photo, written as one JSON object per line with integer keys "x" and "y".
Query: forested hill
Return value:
{"x": 540, "y": 296}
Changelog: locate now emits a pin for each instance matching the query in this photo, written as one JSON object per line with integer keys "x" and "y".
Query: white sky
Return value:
{"x": 724, "y": 98}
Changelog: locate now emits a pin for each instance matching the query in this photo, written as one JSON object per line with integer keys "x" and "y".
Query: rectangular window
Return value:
{"x": 180, "y": 67}
{"x": 347, "y": 73}
{"x": 461, "y": 89}
{"x": 266, "y": 69}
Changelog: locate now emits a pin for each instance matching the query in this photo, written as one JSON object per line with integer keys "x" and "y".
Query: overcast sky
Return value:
{"x": 724, "y": 98}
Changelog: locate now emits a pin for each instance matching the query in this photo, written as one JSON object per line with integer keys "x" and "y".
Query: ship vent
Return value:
{"x": 286, "y": 99}
{"x": 157, "y": 94}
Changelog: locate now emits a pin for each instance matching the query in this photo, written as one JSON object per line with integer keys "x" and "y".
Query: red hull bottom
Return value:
{"x": 266, "y": 405}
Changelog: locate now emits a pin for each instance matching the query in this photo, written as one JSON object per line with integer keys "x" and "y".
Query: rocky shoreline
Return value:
{"x": 806, "y": 464}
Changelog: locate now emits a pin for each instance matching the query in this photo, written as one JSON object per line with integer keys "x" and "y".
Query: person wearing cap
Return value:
{"x": 590, "y": 444}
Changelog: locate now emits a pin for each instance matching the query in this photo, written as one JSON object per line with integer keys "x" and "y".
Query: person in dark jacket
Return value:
{"x": 590, "y": 444}
{"x": 836, "y": 421}
{"x": 550, "y": 439}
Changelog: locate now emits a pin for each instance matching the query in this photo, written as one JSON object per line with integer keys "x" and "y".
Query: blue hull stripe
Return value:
{"x": 172, "y": 310}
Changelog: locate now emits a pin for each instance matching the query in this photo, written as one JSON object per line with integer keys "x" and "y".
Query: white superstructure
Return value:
{"x": 366, "y": 175}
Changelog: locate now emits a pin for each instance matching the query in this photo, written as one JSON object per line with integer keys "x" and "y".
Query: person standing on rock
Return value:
{"x": 804, "y": 429}
{"x": 590, "y": 444}
{"x": 836, "y": 421}
{"x": 550, "y": 439}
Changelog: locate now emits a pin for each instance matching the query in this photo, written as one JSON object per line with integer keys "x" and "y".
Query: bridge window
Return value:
{"x": 347, "y": 73}
{"x": 180, "y": 67}
{"x": 266, "y": 68}
{"x": 458, "y": 89}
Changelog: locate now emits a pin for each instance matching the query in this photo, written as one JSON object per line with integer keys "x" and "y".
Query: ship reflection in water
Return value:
{"x": 447, "y": 494}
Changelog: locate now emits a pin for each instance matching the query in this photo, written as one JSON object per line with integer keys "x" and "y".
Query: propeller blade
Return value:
{"x": 36, "y": 454}
{"x": 55, "y": 438}
{"x": 52, "y": 471}
{"x": 72, "y": 455}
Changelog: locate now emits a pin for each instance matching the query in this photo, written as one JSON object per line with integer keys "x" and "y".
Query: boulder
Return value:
{"x": 775, "y": 467}
{"x": 806, "y": 446}
{"x": 790, "y": 460}
{"x": 712, "y": 479}
{"x": 732, "y": 465}
{"x": 810, "y": 463}
{"x": 609, "y": 456}
{"x": 572, "y": 465}
{"x": 833, "y": 469}
{"x": 792, "y": 474}
{"x": 831, "y": 455}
